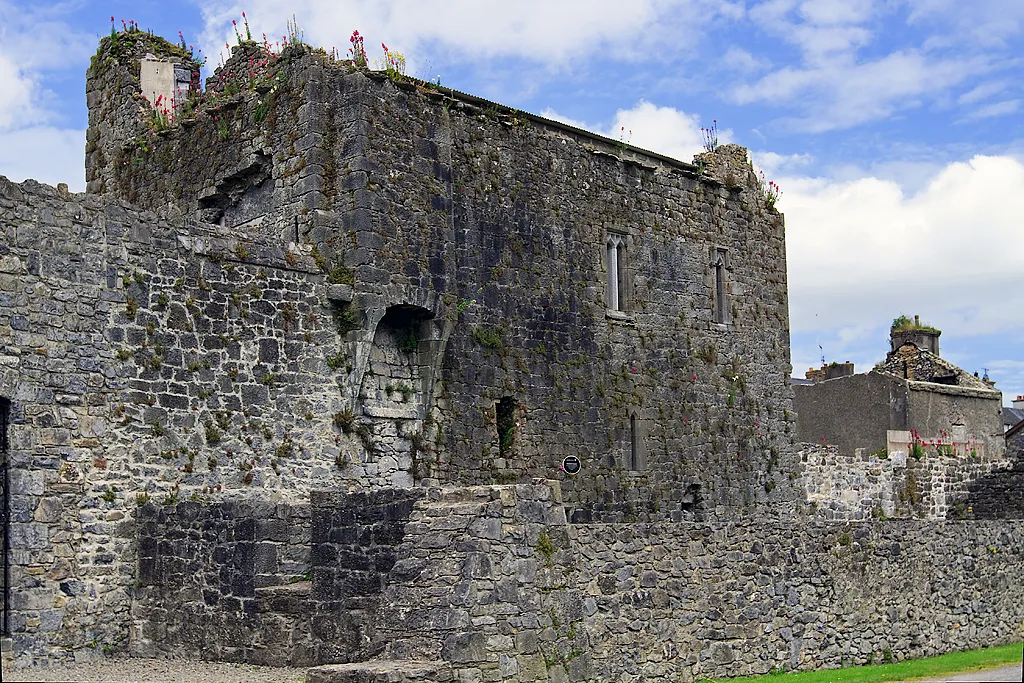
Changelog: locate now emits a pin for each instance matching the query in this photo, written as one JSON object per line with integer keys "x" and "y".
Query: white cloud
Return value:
{"x": 1004, "y": 108}
{"x": 49, "y": 155}
{"x": 827, "y": 12}
{"x": 663, "y": 130}
{"x": 843, "y": 95}
{"x": 537, "y": 30}
{"x": 16, "y": 90}
{"x": 954, "y": 251}
{"x": 775, "y": 164}
{"x": 981, "y": 92}
{"x": 738, "y": 59}
{"x": 32, "y": 40}
{"x": 821, "y": 29}
{"x": 983, "y": 22}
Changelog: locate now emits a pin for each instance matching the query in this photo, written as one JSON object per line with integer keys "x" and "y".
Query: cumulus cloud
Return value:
{"x": 16, "y": 90}
{"x": 664, "y": 130}
{"x": 863, "y": 251}
{"x": 49, "y": 155}
{"x": 533, "y": 29}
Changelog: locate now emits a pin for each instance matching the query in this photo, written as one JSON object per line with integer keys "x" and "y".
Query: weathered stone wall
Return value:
{"x": 224, "y": 581}
{"x": 935, "y": 410}
{"x": 998, "y": 494}
{"x": 490, "y": 583}
{"x": 689, "y": 601}
{"x": 355, "y": 541}
{"x": 857, "y": 412}
{"x": 851, "y": 412}
{"x": 474, "y": 238}
{"x": 934, "y": 485}
{"x": 147, "y": 360}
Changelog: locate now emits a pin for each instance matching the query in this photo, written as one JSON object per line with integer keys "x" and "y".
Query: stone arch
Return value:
{"x": 395, "y": 390}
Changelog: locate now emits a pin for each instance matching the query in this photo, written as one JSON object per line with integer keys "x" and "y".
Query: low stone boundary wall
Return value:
{"x": 495, "y": 583}
{"x": 890, "y": 484}
{"x": 692, "y": 601}
{"x": 492, "y": 583}
{"x": 223, "y": 581}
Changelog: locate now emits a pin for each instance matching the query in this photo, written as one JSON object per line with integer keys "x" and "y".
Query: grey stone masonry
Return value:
{"x": 472, "y": 240}
{"x": 286, "y": 385}
{"x": 490, "y": 583}
{"x": 312, "y": 276}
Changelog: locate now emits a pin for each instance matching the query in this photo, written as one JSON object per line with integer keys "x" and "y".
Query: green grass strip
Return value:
{"x": 930, "y": 667}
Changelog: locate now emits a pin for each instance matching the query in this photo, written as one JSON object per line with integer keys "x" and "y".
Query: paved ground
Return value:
{"x": 128, "y": 670}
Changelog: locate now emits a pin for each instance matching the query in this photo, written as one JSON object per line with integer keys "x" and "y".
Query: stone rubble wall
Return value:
{"x": 355, "y": 542}
{"x": 492, "y": 583}
{"x": 147, "y": 360}
{"x": 866, "y": 486}
{"x": 998, "y": 494}
{"x": 492, "y": 225}
{"x": 690, "y": 601}
{"x": 224, "y": 582}
{"x": 475, "y": 587}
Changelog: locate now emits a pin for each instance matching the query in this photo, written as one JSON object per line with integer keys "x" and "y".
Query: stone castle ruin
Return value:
{"x": 293, "y": 381}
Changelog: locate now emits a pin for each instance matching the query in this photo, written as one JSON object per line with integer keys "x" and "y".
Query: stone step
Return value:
{"x": 448, "y": 508}
{"x": 462, "y": 494}
{"x": 381, "y": 671}
{"x": 289, "y": 598}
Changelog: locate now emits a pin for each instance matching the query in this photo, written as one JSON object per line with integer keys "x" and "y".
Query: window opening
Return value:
{"x": 615, "y": 247}
{"x": 632, "y": 464}
{"x": 5, "y": 412}
{"x": 720, "y": 307}
{"x": 506, "y": 420}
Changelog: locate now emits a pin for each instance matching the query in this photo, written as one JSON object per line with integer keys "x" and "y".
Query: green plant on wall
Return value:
{"x": 341, "y": 274}
{"x": 346, "y": 319}
{"x": 409, "y": 339}
{"x": 546, "y": 548}
{"x": 487, "y": 338}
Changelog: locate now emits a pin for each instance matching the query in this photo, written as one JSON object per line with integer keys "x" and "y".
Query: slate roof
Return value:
{"x": 1012, "y": 416}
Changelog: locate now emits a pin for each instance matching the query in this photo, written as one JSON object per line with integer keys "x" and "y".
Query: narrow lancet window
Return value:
{"x": 5, "y": 507}
{"x": 632, "y": 465}
{"x": 721, "y": 308}
{"x": 615, "y": 248}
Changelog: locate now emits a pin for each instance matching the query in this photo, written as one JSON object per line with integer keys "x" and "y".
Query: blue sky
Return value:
{"x": 894, "y": 127}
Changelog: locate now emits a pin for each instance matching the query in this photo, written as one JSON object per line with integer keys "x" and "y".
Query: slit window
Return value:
{"x": 635, "y": 453}
{"x": 632, "y": 464}
{"x": 5, "y": 501}
{"x": 720, "y": 304}
{"x": 505, "y": 414}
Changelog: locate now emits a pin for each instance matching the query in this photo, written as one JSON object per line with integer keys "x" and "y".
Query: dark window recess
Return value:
{"x": 5, "y": 506}
{"x": 405, "y": 323}
{"x": 633, "y": 445}
{"x": 691, "y": 497}
{"x": 721, "y": 315}
{"x": 506, "y": 419}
